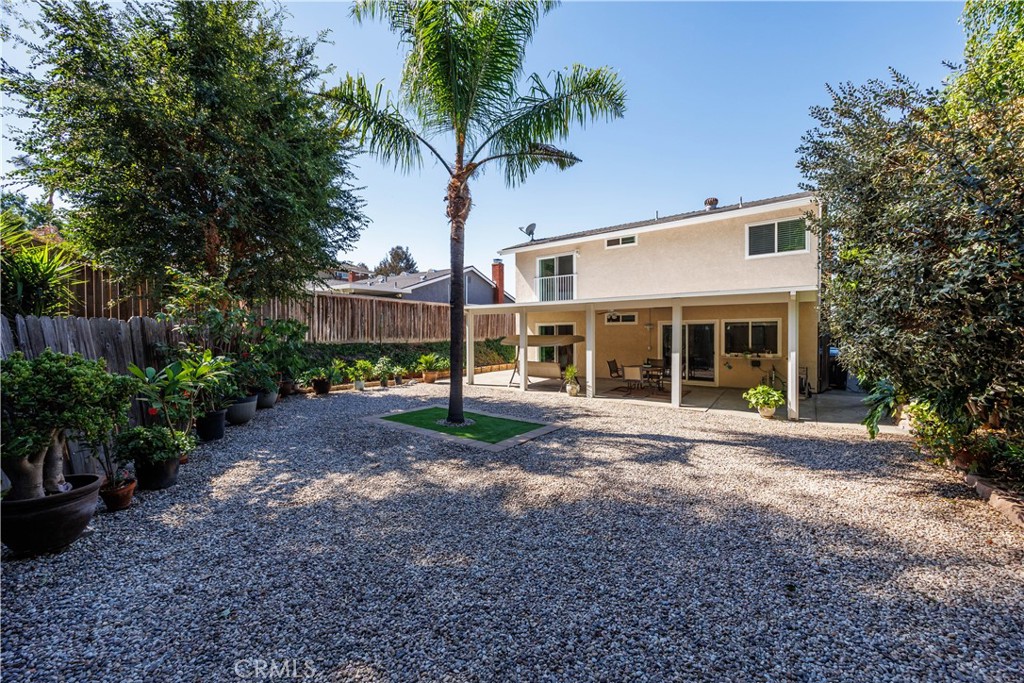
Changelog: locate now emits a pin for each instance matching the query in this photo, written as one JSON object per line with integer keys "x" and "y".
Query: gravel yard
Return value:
{"x": 636, "y": 543}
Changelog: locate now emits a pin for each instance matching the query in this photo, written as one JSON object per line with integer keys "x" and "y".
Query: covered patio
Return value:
{"x": 839, "y": 408}
{"x": 663, "y": 329}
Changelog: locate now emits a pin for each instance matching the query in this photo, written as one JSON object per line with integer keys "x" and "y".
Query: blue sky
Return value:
{"x": 718, "y": 100}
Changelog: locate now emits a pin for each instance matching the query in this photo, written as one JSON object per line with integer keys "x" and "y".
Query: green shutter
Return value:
{"x": 762, "y": 239}
{"x": 792, "y": 235}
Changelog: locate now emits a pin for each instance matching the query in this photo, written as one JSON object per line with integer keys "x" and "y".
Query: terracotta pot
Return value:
{"x": 430, "y": 376}
{"x": 322, "y": 387}
{"x": 119, "y": 498}
{"x": 242, "y": 410}
{"x": 154, "y": 476}
{"x": 51, "y": 523}
{"x": 210, "y": 427}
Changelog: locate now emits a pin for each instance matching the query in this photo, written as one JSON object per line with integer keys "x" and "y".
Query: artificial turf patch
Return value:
{"x": 484, "y": 428}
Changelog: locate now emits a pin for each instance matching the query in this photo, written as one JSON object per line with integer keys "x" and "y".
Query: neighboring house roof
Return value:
{"x": 398, "y": 285}
{"x": 663, "y": 220}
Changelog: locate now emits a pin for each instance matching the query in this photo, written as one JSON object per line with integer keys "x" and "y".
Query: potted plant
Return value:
{"x": 119, "y": 485}
{"x": 765, "y": 398}
{"x": 572, "y": 385}
{"x": 361, "y": 371}
{"x": 399, "y": 374}
{"x": 384, "y": 368}
{"x": 320, "y": 379}
{"x": 45, "y": 401}
{"x": 249, "y": 376}
{"x": 430, "y": 365}
{"x": 157, "y": 452}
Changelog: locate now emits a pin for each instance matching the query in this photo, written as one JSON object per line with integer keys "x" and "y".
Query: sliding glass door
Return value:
{"x": 699, "y": 343}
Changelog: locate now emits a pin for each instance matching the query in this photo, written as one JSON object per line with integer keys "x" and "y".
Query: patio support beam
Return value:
{"x": 470, "y": 344}
{"x": 677, "y": 354}
{"x": 591, "y": 334}
{"x": 523, "y": 349}
{"x": 793, "y": 364}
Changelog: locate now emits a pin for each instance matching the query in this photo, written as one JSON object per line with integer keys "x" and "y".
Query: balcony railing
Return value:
{"x": 556, "y": 288}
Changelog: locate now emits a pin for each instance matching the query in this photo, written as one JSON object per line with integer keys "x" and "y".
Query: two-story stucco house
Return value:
{"x": 720, "y": 296}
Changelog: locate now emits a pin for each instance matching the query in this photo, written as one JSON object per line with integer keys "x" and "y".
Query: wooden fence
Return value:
{"x": 347, "y": 319}
{"x": 332, "y": 318}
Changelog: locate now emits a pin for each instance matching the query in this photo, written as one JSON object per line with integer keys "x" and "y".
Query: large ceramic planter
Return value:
{"x": 321, "y": 387}
{"x": 51, "y": 523}
{"x": 119, "y": 498}
{"x": 430, "y": 376}
{"x": 210, "y": 427}
{"x": 242, "y": 410}
{"x": 266, "y": 399}
{"x": 154, "y": 476}
{"x": 766, "y": 412}
{"x": 573, "y": 389}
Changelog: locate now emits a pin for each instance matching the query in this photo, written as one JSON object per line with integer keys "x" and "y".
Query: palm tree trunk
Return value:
{"x": 459, "y": 203}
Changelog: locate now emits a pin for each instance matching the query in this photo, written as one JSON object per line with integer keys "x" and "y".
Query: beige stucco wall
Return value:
{"x": 632, "y": 344}
{"x": 701, "y": 257}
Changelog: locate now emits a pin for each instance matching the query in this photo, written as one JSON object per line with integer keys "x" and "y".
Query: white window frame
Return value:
{"x": 635, "y": 314}
{"x": 749, "y": 322}
{"x": 746, "y": 238}
{"x": 574, "y": 273}
{"x": 555, "y": 348}
{"x": 719, "y": 332}
{"x": 620, "y": 245}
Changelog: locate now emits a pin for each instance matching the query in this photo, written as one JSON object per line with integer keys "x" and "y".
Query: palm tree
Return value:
{"x": 460, "y": 81}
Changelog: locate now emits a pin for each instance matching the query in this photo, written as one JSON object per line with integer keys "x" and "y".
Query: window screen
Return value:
{"x": 762, "y": 239}
{"x": 792, "y": 235}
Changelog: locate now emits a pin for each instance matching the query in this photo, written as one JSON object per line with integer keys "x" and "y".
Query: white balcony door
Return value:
{"x": 556, "y": 279}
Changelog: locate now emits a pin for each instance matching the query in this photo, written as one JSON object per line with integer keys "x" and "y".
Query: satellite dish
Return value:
{"x": 529, "y": 230}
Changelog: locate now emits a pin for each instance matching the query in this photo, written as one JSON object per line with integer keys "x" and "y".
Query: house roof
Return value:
{"x": 396, "y": 285}
{"x": 658, "y": 221}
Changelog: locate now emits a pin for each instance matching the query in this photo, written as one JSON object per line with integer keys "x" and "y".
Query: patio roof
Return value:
{"x": 767, "y": 295}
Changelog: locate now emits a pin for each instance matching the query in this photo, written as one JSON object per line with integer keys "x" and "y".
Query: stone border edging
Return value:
{"x": 482, "y": 445}
{"x": 1009, "y": 504}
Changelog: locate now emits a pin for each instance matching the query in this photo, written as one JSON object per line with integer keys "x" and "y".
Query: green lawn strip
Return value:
{"x": 484, "y": 428}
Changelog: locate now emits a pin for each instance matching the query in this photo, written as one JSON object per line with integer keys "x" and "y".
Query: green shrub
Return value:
{"x": 763, "y": 396}
{"x": 153, "y": 444}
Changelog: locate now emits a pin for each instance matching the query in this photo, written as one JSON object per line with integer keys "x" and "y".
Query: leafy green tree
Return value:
{"x": 461, "y": 82}
{"x": 923, "y": 232}
{"x": 186, "y": 134}
{"x": 399, "y": 260}
{"x": 30, "y": 215}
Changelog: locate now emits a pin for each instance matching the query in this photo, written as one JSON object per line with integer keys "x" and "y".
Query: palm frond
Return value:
{"x": 374, "y": 121}
{"x": 546, "y": 114}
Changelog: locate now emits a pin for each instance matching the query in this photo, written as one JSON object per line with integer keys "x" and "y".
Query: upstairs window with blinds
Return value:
{"x": 777, "y": 238}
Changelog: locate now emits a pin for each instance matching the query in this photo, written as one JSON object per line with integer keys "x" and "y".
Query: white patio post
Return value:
{"x": 677, "y": 354}
{"x": 470, "y": 343}
{"x": 523, "y": 349}
{"x": 591, "y": 332}
{"x": 793, "y": 366}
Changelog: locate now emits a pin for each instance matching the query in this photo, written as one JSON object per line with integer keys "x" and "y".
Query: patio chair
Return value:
{"x": 615, "y": 372}
{"x": 634, "y": 377}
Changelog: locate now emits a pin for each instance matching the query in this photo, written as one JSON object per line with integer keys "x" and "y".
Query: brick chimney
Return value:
{"x": 498, "y": 275}
{"x": 352, "y": 277}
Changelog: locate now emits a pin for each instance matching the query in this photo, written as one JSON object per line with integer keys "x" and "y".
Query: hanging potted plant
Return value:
{"x": 157, "y": 452}
{"x": 572, "y": 385}
{"x": 45, "y": 401}
{"x": 765, "y": 398}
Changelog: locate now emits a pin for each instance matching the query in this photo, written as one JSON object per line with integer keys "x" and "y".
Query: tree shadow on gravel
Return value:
{"x": 374, "y": 555}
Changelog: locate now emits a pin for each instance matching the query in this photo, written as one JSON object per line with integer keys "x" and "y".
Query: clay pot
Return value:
{"x": 119, "y": 498}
